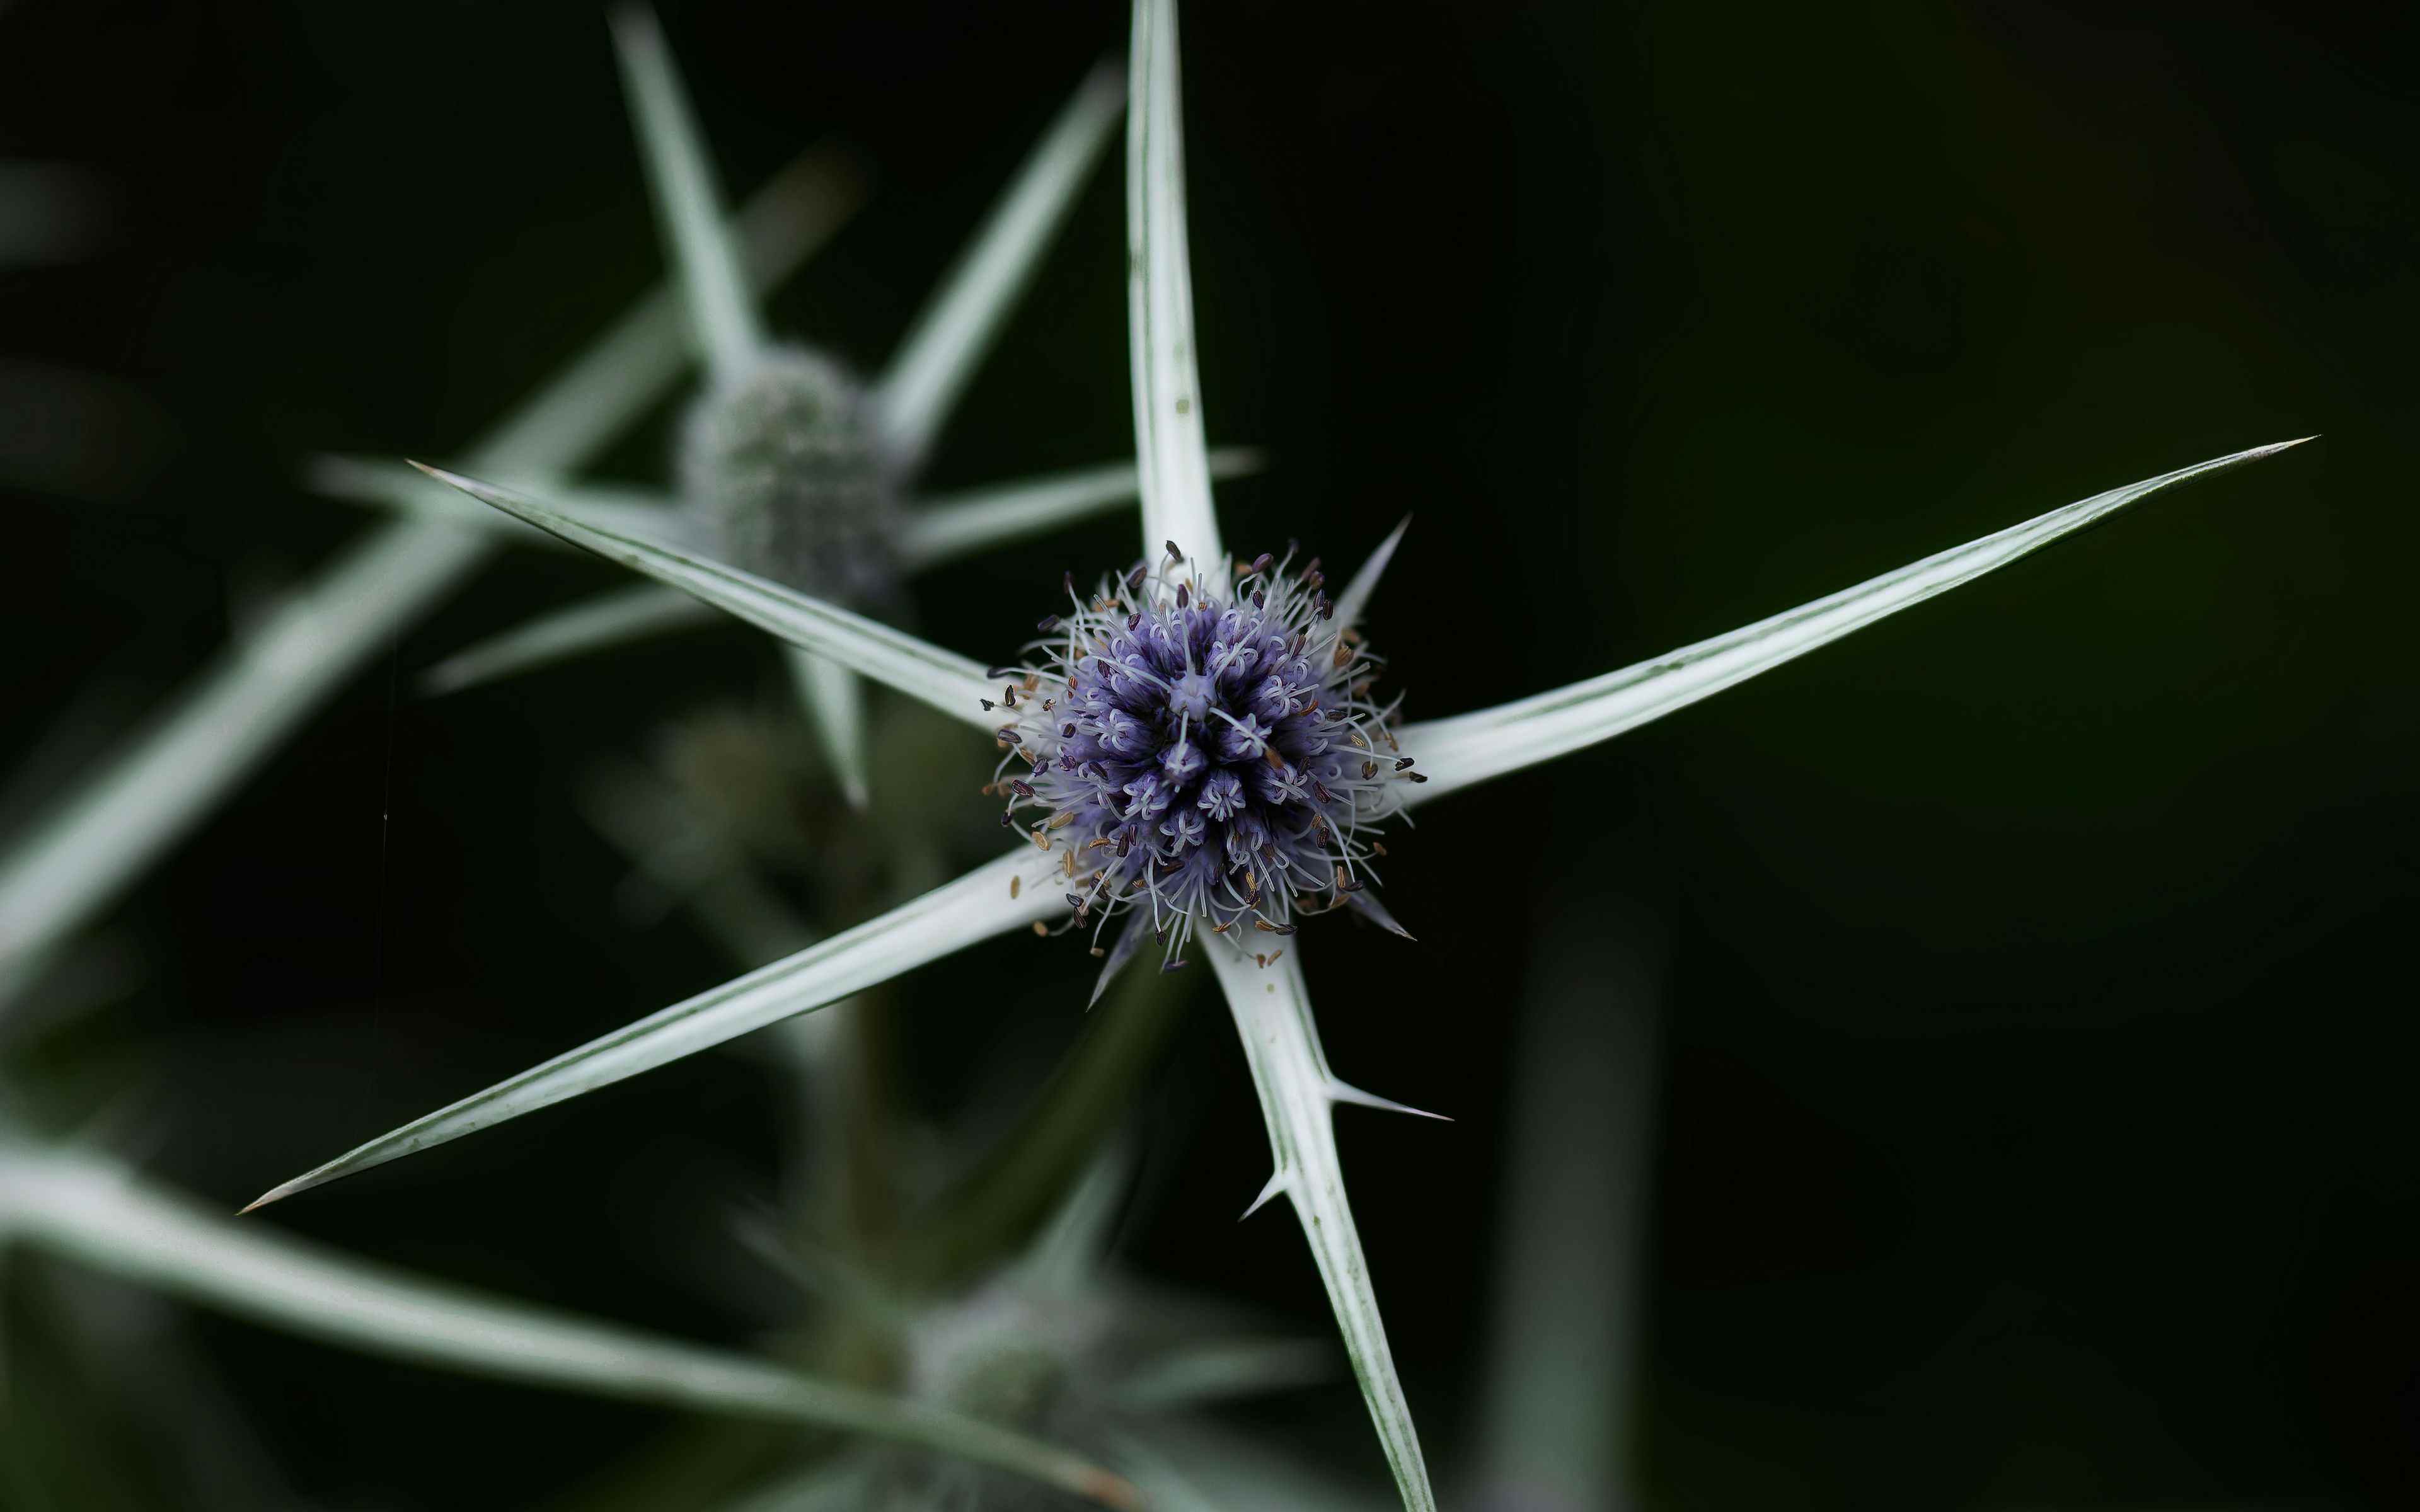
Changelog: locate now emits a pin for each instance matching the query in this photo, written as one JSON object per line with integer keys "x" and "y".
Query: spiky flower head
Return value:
{"x": 785, "y": 468}
{"x": 1210, "y": 753}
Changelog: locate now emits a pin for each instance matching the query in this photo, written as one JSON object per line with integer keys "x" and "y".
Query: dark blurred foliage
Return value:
{"x": 2037, "y": 1121}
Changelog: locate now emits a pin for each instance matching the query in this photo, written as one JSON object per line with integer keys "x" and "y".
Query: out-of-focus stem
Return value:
{"x": 999, "y": 1203}
{"x": 1578, "y": 1171}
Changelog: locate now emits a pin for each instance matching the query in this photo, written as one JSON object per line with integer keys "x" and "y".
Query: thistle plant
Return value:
{"x": 1199, "y": 741}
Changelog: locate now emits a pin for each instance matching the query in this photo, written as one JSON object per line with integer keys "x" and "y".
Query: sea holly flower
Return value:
{"x": 1168, "y": 690}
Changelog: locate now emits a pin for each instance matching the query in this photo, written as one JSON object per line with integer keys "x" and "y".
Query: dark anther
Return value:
{"x": 1004, "y": 820}
{"x": 987, "y": 704}
{"x": 1134, "y": 620}
{"x": 1067, "y": 731}
{"x": 1173, "y": 555}
{"x": 1048, "y": 623}
{"x": 1175, "y": 964}
{"x": 1416, "y": 777}
{"x": 1260, "y": 564}
{"x": 1134, "y": 578}
{"x": 1260, "y": 600}
{"x": 1313, "y": 578}
{"x": 1023, "y": 790}
{"x": 1007, "y": 732}
{"x": 1321, "y": 788}
{"x": 1073, "y": 901}
{"x": 1183, "y": 596}
{"x": 1403, "y": 763}
{"x": 1008, "y": 696}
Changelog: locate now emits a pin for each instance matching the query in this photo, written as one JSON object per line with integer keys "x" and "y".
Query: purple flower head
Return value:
{"x": 1213, "y": 757}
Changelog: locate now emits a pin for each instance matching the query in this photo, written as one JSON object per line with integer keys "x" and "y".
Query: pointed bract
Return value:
{"x": 391, "y": 483}
{"x": 1346, "y": 1093}
{"x": 1129, "y": 942}
{"x": 943, "y": 530}
{"x": 1351, "y": 604}
{"x": 622, "y": 617}
{"x": 944, "y": 680}
{"x": 1272, "y": 1011}
{"x": 1275, "y": 1186}
{"x": 835, "y": 704}
{"x": 681, "y": 182}
{"x": 1168, "y": 446}
{"x": 958, "y": 913}
{"x": 1366, "y": 904}
{"x": 1471, "y": 747}
{"x": 947, "y": 342}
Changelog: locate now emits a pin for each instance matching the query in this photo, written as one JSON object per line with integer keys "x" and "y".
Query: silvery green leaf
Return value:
{"x": 101, "y": 1214}
{"x": 1168, "y": 446}
{"x": 1471, "y": 747}
{"x": 941, "y": 349}
{"x": 1272, "y": 1012}
{"x": 835, "y": 704}
{"x": 991, "y": 900}
{"x": 681, "y": 182}
{"x": 612, "y": 618}
{"x": 943, "y": 679}
{"x": 948, "y": 527}
{"x": 235, "y": 712}
{"x": 945, "y": 528}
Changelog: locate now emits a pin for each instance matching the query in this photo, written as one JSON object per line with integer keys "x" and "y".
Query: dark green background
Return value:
{"x": 2036, "y": 1128}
